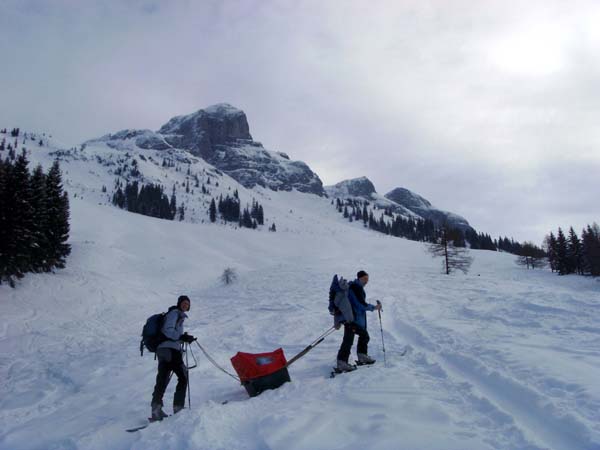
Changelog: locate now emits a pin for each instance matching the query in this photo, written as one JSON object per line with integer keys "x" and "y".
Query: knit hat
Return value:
{"x": 361, "y": 273}
{"x": 183, "y": 298}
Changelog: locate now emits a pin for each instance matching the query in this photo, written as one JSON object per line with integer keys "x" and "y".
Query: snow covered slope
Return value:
{"x": 501, "y": 358}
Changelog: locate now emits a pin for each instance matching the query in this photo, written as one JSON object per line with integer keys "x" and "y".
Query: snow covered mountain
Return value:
{"x": 400, "y": 201}
{"x": 221, "y": 136}
{"x": 425, "y": 209}
{"x": 500, "y": 358}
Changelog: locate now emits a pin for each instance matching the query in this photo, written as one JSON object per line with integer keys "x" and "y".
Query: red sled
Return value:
{"x": 261, "y": 371}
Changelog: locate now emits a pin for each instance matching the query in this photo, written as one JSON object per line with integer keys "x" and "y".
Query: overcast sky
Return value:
{"x": 489, "y": 109}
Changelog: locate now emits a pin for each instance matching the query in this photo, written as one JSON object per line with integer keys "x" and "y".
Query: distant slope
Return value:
{"x": 425, "y": 209}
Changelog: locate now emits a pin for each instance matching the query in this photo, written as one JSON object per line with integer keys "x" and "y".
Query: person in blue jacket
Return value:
{"x": 358, "y": 300}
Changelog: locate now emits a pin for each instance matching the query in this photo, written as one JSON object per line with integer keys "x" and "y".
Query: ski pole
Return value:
{"x": 382, "y": 341}
{"x": 187, "y": 374}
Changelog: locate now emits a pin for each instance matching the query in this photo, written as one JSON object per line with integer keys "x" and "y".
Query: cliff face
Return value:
{"x": 221, "y": 136}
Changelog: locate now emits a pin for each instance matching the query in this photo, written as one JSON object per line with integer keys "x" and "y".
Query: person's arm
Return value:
{"x": 358, "y": 306}
{"x": 169, "y": 328}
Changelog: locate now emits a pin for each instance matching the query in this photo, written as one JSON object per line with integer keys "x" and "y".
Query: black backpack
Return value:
{"x": 151, "y": 333}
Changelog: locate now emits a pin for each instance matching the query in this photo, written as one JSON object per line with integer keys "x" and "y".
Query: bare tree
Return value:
{"x": 455, "y": 258}
{"x": 531, "y": 256}
{"x": 229, "y": 275}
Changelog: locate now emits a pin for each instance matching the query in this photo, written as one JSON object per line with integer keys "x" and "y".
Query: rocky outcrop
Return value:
{"x": 202, "y": 132}
{"x": 423, "y": 208}
{"x": 363, "y": 188}
{"x": 221, "y": 136}
{"x": 356, "y": 187}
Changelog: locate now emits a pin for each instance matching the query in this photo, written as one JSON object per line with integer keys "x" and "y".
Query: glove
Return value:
{"x": 188, "y": 338}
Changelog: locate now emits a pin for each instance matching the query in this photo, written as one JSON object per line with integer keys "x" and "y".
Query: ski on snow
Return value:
{"x": 141, "y": 427}
{"x": 337, "y": 371}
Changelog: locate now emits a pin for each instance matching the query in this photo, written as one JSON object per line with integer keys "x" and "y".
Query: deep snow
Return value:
{"x": 501, "y": 358}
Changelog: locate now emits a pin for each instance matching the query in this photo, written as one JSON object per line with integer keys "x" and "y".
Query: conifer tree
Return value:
{"x": 173, "y": 204}
{"x": 574, "y": 256}
{"x": 213, "y": 211}
{"x": 591, "y": 250}
{"x": 19, "y": 207}
{"x": 552, "y": 250}
{"x": 260, "y": 216}
{"x": 39, "y": 202}
{"x": 57, "y": 207}
{"x": 562, "y": 264}
{"x": 5, "y": 218}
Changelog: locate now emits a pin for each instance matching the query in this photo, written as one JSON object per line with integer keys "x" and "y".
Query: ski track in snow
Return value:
{"x": 487, "y": 379}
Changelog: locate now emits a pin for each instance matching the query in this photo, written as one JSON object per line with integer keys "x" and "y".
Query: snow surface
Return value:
{"x": 501, "y": 358}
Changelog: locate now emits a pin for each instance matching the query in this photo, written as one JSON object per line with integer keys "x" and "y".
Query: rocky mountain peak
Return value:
{"x": 356, "y": 187}
{"x": 220, "y": 135}
{"x": 422, "y": 207}
{"x": 407, "y": 198}
{"x": 202, "y": 131}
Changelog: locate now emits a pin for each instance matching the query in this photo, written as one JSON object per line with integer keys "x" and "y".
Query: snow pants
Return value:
{"x": 170, "y": 360}
{"x": 363, "y": 340}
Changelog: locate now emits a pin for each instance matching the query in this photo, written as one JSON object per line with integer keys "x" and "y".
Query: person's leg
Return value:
{"x": 162, "y": 380}
{"x": 182, "y": 381}
{"x": 363, "y": 341}
{"x": 346, "y": 347}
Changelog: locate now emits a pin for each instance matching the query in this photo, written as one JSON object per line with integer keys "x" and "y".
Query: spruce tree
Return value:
{"x": 591, "y": 250}
{"x": 19, "y": 207}
{"x": 57, "y": 231}
{"x": 213, "y": 211}
{"x": 5, "y": 218}
{"x": 552, "y": 251}
{"x": 39, "y": 204}
{"x": 562, "y": 264}
{"x": 574, "y": 256}
{"x": 173, "y": 205}
{"x": 261, "y": 215}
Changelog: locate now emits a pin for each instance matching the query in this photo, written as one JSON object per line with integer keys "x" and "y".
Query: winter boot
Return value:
{"x": 363, "y": 358}
{"x": 177, "y": 408}
{"x": 158, "y": 413}
{"x": 343, "y": 366}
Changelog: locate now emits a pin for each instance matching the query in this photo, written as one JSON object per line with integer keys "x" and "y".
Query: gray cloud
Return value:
{"x": 485, "y": 108}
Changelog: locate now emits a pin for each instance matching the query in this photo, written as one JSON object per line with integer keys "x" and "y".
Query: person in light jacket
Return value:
{"x": 170, "y": 359}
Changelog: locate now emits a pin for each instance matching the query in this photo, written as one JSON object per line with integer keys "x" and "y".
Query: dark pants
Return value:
{"x": 170, "y": 360}
{"x": 349, "y": 332}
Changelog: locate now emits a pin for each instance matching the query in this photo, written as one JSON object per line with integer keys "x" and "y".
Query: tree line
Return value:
{"x": 147, "y": 199}
{"x": 426, "y": 231}
{"x": 423, "y": 230}
{"x": 34, "y": 219}
{"x": 229, "y": 209}
{"x": 573, "y": 254}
